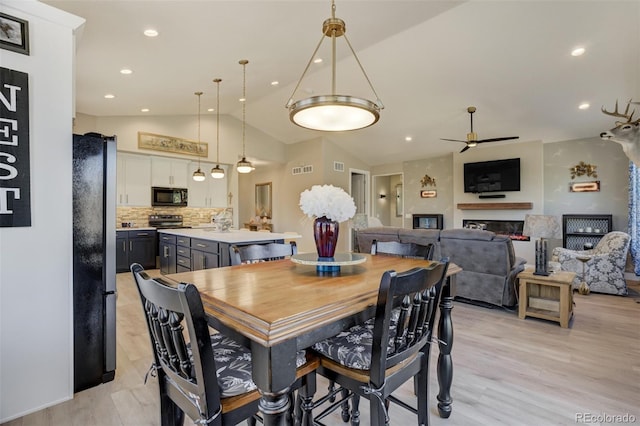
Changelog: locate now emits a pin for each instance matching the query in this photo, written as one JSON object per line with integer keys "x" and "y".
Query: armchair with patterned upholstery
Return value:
{"x": 604, "y": 271}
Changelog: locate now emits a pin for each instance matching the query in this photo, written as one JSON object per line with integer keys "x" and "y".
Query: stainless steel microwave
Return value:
{"x": 173, "y": 197}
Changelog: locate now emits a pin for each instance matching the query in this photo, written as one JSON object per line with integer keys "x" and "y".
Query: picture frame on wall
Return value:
{"x": 14, "y": 34}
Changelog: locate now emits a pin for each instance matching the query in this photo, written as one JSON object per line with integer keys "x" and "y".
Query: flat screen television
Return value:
{"x": 492, "y": 176}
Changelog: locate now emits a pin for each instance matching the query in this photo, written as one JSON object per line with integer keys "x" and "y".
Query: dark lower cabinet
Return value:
{"x": 135, "y": 247}
{"x": 167, "y": 253}
{"x": 204, "y": 254}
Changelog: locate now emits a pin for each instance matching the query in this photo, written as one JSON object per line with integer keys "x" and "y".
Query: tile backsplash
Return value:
{"x": 139, "y": 216}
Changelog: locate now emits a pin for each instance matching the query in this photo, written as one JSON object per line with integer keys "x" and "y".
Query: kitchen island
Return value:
{"x": 192, "y": 249}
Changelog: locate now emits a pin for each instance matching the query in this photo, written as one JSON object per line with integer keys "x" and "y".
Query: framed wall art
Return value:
{"x": 156, "y": 142}
{"x": 14, "y": 34}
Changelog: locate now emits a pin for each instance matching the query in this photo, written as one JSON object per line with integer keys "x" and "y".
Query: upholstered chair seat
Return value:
{"x": 604, "y": 269}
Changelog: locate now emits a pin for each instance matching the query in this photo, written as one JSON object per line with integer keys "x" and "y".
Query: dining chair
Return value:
{"x": 403, "y": 249}
{"x": 261, "y": 252}
{"x": 207, "y": 377}
{"x": 371, "y": 360}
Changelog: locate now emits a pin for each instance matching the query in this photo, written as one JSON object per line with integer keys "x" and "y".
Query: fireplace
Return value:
{"x": 511, "y": 228}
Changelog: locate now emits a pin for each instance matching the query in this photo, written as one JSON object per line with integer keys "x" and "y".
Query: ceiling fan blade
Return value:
{"x": 453, "y": 140}
{"x": 506, "y": 138}
{"x": 464, "y": 149}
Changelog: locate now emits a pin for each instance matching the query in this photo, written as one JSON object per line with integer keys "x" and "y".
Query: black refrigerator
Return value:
{"x": 94, "y": 259}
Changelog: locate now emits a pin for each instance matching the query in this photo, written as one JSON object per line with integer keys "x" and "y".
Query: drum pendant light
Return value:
{"x": 334, "y": 112}
{"x": 217, "y": 172}
{"x": 198, "y": 175}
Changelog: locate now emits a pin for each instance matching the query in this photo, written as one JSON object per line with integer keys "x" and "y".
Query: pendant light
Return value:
{"x": 198, "y": 175}
{"x": 217, "y": 172}
{"x": 334, "y": 113}
{"x": 244, "y": 166}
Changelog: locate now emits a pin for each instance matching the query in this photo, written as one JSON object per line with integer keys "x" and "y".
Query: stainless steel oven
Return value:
{"x": 172, "y": 197}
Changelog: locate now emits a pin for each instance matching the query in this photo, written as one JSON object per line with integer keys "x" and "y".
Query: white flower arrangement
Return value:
{"x": 327, "y": 200}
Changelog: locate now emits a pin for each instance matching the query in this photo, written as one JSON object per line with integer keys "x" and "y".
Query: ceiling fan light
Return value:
{"x": 244, "y": 166}
{"x": 217, "y": 172}
{"x": 198, "y": 175}
{"x": 471, "y": 144}
{"x": 334, "y": 113}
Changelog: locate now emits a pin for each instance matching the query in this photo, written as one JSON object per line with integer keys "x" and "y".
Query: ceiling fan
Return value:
{"x": 472, "y": 137}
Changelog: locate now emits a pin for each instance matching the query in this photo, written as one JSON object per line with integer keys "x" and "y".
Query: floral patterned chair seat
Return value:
{"x": 604, "y": 271}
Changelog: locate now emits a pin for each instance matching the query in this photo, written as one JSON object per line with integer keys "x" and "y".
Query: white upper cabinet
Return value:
{"x": 210, "y": 192}
{"x": 169, "y": 172}
{"x": 133, "y": 180}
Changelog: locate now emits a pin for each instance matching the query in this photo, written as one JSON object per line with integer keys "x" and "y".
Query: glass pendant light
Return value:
{"x": 198, "y": 175}
{"x": 217, "y": 172}
{"x": 244, "y": 165}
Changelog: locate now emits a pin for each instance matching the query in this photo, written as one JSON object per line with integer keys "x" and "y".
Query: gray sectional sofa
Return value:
{"x": 488, "y": 261}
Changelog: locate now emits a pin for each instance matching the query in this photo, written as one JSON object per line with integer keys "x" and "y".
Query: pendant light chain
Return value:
{"x": 217, "y": 172}
{"x": 243, "y": 165}
{"x": 217, "y": 81}
{"x": 198, "y": 175}
{"x": 244, "y": 63}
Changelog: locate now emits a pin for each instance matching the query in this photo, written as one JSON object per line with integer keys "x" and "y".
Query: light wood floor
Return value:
{"x": 507, "y": 371}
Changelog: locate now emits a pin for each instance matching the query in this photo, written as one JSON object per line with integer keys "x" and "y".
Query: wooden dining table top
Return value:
{"x": 270, "y": 302}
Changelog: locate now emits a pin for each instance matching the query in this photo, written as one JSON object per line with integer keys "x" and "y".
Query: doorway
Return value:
{"x": 388, "y": 196}
{"x": 359, "y": 190}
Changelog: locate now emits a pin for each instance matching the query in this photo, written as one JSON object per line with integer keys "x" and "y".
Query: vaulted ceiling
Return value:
{"x": 427, "y": 60}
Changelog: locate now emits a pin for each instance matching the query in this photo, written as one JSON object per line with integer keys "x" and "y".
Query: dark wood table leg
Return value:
{"x": 275, "y": 408}
{"x": 274, "y": 371}
{"x": 445, "y": 344}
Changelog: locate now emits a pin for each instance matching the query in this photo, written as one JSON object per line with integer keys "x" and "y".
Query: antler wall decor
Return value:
{"x": 582, "y": 169}
{"x": 626, "y": 133}
{"x": 427, "y": 181}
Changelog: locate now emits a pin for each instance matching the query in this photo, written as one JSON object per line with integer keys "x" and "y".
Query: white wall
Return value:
{"x": 36, "y": 334}
{"x": 531, "y": 187}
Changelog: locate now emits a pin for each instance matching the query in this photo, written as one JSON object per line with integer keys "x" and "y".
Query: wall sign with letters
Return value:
{"x": 15, "y": 176}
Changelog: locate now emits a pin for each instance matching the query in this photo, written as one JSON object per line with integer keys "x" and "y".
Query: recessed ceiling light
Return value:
{"x": 317, "y": 61}
{"x": 408, "y": 138}
{"x": 151, "y": 32}
{"x": 109, "y": 96}
{"x": 578, "y": 51}
{"x": 242, "y": 99}
{"x": 584, "y": 105}
{"x": 126, "y": 71}
{"x": 275, "y": 83}
{"x": 145, "y": 110}
{"x": 211, "y": 109}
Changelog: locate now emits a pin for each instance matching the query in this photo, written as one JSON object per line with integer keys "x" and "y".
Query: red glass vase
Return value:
{"x": 325, "y": 232}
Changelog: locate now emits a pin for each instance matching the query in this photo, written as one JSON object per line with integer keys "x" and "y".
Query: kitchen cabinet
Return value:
{"x": 169, "y": 172}
{"x": 210, "y": 192}
{"x": 167, "y": 253}
{"x": 133, "y": 186}
{"x": 581, "y": 229}
{"x": 137, "y": 246}
{"x": 204, "y": 254}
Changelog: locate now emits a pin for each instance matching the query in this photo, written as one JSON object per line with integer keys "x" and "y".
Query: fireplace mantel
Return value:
{"x": 495, "y": 206}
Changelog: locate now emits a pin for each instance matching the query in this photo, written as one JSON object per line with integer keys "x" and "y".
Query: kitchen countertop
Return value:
{"x": 141, "y": 228}
{"x": 230, "y": 236}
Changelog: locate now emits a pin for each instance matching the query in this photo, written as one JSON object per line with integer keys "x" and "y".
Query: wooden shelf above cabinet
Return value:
{"x": 495, "y": 206}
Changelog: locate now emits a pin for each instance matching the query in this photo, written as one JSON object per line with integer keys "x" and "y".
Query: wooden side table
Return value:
{"x": 546, "y": 297}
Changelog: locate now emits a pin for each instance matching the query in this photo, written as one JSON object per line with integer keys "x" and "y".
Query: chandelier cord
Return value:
{"x": 218, "y": 121}
{"x": 199, "y": 94}
{"x": 244, "y": 103}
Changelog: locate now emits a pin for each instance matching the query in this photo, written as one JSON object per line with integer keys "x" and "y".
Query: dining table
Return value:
{"x": 279, "y": 307}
